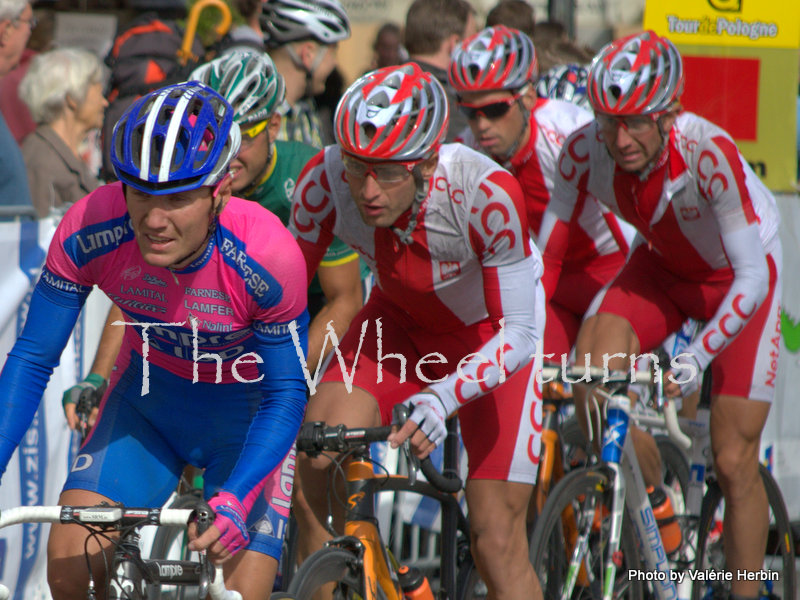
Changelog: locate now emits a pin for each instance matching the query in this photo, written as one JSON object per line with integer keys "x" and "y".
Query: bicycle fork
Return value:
{"x": 360, "y": 525}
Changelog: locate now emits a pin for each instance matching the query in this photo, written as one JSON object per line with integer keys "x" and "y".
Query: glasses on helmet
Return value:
{"x": 382, "y": 172}
{"x": 490, "y": 110}
{"x": 250, "y": 134}
{"x": 633, "y": 124}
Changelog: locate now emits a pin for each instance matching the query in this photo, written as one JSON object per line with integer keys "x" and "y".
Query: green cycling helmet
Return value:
{"x": 248, "y": 80}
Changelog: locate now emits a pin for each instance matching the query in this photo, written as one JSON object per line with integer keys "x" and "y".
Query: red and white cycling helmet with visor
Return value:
{"x": 639, "y": 74}
{"x": 396, "y": 113}
{"x": 496, "y": 58}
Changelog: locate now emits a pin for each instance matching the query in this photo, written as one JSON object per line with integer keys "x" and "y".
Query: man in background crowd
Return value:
{"x": 302, "y": 39}
{"x": 433, "y": 30}
{"x": 513, "y": 13}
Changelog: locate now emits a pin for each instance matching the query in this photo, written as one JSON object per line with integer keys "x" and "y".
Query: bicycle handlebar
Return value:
{"x": 594, "y": 375}
{"x": 668, "y": 417}
{"x": 316, "y": 437}
{"x": 117, "y": 517}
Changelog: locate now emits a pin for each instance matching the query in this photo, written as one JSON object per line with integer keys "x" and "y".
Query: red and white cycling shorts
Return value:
{"x": 656, "y": 302}
{"x": 577, "y": 285}
{"x": 501, "y": 430}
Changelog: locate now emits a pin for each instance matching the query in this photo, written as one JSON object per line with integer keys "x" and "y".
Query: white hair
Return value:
{"x": 55, "y": 76}
{"x": 11, "y": 9}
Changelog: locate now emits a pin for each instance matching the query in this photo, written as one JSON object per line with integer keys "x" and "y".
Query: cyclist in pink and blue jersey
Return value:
{"x": 212, "y": 288}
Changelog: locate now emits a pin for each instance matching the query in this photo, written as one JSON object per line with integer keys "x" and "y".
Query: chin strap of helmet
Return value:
{"x": 526, "y": 120}
{"x": 660, "y": 156}
{"x": 422, "y": 186}
{"x": 259, "y": 179}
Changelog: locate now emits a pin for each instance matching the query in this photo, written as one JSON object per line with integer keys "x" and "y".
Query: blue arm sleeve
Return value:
{"x": 37, "y": 351}
{"x": 277, "y": 421}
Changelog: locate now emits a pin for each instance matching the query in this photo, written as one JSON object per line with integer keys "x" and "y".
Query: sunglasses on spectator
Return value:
{"x": 633, "y": 124}
{"x": 490, "y": 110}
{"x": 382, "y": 172}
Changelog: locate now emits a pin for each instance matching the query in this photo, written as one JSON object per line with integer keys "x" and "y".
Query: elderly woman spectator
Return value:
{"x": 64, "y": 92}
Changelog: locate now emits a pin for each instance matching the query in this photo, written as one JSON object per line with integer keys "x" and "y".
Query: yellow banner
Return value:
{"x": 740, "y": 63}
{"x": 745, "y": 23}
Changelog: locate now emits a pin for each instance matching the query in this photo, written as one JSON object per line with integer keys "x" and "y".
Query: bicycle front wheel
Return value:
{"x": 330, "y": 565}
{"x": 579, "y": 507}
{"x": 778, "y": 568}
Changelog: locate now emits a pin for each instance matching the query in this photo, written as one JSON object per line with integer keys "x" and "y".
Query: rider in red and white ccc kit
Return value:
{"x": 444, "y": 230}
{"x": 494, "y": 73}
{"x": 707, "y": 248}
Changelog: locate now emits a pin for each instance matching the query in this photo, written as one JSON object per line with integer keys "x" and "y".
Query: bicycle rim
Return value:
{"x": 674, "y": 472}
{"x": 580, "y": 505}
{"x": 779, "y": 557}
{"x": 330, "y": 565}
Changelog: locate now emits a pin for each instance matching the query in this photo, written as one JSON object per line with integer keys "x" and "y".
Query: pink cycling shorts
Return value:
{"x": 501, "y": 430}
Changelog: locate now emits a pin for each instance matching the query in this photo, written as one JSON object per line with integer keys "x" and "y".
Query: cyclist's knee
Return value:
{"x": 67, "y": 573}
{"x": 498, "y": 535}
{"x": 736, "y": 467}
{"x": 605, "y": 332}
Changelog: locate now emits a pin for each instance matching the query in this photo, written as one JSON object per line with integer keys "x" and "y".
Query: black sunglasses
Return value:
{"x": 492, "y": 110}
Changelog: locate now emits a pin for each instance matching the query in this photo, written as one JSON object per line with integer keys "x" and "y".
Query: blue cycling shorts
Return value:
{"x": 140, "y": 445}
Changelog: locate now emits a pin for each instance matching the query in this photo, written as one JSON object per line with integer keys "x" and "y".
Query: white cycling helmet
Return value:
{"x": 286, "y": 21}
{"x": 248, "y": 80}
{"x": 497, "y": 58}
{"x": 639, "y": 74}
{"x": 394, "y": 113}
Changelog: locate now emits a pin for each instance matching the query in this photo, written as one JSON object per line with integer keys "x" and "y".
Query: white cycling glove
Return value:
{"x": 686, "y": 373}
{"x": 429, "y": 412}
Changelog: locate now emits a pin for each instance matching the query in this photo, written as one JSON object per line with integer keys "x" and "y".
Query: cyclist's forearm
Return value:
{"x": 277, "y": 420}
{"x": 51, "y": 317}
{"x": 342, "y": 288}
{"x": 110, "y": 343}
{"x": 749, "y": 288}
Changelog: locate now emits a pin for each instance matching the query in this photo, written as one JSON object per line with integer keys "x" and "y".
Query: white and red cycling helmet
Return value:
{"x": 636, "y": 75}
{"x": 496, "y": 58}
{"x": 395, "y": 113}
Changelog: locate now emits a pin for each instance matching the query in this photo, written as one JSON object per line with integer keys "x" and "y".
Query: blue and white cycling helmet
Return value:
{"x": 178, "y": 138}
{"x": 565, "y": 82}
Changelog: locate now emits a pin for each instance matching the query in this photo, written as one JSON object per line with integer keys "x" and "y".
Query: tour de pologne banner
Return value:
{"x": 741, "y": 65}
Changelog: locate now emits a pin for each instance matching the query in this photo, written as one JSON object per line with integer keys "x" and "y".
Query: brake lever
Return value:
{"x": 400, "y": 414}
{"x": 412, "y": 461}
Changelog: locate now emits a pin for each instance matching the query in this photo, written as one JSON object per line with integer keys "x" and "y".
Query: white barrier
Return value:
{"x": 39, "y": 467}
{"x": 780, "y": 442}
